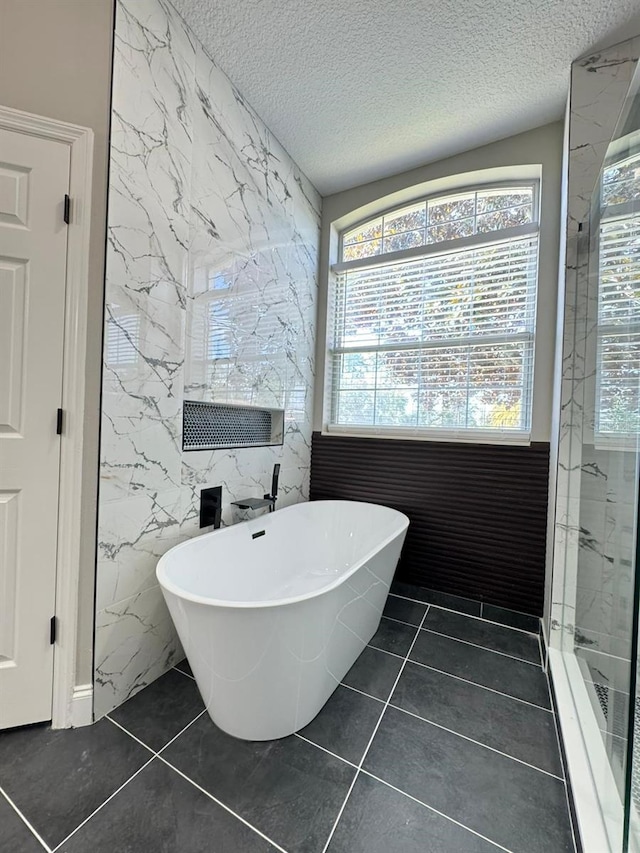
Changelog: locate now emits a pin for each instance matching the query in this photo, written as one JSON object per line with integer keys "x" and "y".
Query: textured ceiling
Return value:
{"x": 356, "y": 91}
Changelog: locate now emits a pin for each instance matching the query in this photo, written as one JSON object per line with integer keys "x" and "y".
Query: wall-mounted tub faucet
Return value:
{"x": 211, "y": 507}
{"x": 268, "y": 500}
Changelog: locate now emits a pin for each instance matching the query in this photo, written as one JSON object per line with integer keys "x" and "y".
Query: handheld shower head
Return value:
{"x": 274, "y": 481}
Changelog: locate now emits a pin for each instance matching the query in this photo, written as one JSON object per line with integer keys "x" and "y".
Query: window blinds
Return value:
{"x": 122, "y": 344}
{"x": 443, "y": 341}
{"x": 618, "y": 345}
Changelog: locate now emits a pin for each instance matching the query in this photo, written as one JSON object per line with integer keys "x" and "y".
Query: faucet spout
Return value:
{"x": 268, "y": 499}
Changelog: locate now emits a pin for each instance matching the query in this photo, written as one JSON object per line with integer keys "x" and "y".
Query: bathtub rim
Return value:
{"x": 180, "y": 592}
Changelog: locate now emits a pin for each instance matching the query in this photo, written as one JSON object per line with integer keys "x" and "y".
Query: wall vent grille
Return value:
{"x": 210, "y": 426}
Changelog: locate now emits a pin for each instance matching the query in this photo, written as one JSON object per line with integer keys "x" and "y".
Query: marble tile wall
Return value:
{"x": 211, "y": 295}
{"x": 595, "y": 487}
{"x": 604, "y": 582}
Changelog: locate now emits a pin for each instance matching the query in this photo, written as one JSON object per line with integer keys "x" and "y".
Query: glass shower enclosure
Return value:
{"x": 598, "y": 612}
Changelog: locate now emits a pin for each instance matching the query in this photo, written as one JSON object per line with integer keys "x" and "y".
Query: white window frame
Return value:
{"x": 485, "y": 436}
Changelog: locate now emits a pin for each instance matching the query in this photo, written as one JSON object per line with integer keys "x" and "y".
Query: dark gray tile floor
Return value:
{"x": 517, "y": 644}
{"x": 14, "y": 833}
{"x": 440, "y": 739}
{"x": 525, "y": 681}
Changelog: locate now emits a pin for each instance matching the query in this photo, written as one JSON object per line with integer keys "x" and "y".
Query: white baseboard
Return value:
{"x": 82, "y": 706}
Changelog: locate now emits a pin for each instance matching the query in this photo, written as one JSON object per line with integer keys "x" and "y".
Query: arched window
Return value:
{"x": 432, "y": 317}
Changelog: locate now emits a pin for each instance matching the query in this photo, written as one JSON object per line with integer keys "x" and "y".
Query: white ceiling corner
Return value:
{"x": 359, "y": 91}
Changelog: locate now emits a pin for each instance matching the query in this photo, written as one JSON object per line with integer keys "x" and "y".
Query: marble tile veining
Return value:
{"x": 211, "y": 295}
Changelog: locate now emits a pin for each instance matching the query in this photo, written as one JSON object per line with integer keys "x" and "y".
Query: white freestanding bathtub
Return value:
{"x": 273, "y": 612}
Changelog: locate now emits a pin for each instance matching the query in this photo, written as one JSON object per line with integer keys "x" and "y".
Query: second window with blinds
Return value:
{"x": 432, "y": 318}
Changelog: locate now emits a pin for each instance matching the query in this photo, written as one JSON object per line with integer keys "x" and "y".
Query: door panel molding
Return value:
{"x": 9, "y": 510}
{"x": 13, "y": 296}
{"x": 80, "y": 142}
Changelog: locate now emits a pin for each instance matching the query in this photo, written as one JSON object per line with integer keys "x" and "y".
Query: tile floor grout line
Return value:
{"x": 168, "y": 743}
{"x": 393, "y": 654}
{"x": 478, "y": 646}
{"x": 131, "y": 735}
{"x": 373, "y": 734}
{"x": 182, "y": 672}
{"x": 221, "y": 804}
{"x": 324, "y": 749}
{"x": 359, "y": 768}
{"x": 435, "y": 810}
{"x": 399, "y": 790}
{"x": 23, "y": 818}
{"x": 362, "y": 692}
{"x": 445, "y": 728}
{"x": 477, "y": 742}
{"x": 470, "y": 615}
{"x": 181, "y": 732}
{"x": 482, "y": 686}
{"x": 401, "y": 621}
{"x": 139, "y": 770}
{"x": 442, "y": 607}
{"x": 103, "y": 804}
{"x": 346, "y": 799}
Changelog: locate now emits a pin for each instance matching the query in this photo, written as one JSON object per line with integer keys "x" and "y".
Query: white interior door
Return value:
{"x": 34, "y": 177}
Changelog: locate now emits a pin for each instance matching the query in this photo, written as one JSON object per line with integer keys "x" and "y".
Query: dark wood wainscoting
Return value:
{"x": 477, "y": 511}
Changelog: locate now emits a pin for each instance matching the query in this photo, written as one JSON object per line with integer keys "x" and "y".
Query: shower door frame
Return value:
{"x": 599, "y": 87}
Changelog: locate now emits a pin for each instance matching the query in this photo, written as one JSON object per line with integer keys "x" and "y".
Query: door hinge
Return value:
{"x": 59, "y": 417}
{"x": 53, "y": 630}
{"x": 67, "y": 209}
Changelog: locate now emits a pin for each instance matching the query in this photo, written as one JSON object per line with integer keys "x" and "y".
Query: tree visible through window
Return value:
{"x": 433, "y": 316}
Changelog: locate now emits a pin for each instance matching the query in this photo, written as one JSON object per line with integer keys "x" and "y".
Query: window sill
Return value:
{"x": 628, "y": 444}
{"x": 410, "y": 434}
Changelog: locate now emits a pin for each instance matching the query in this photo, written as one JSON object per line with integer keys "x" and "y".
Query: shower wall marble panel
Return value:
{"x": 592, "y": 528}
{"x": 604, "y": 584}
{"x": 211, "y": 295}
